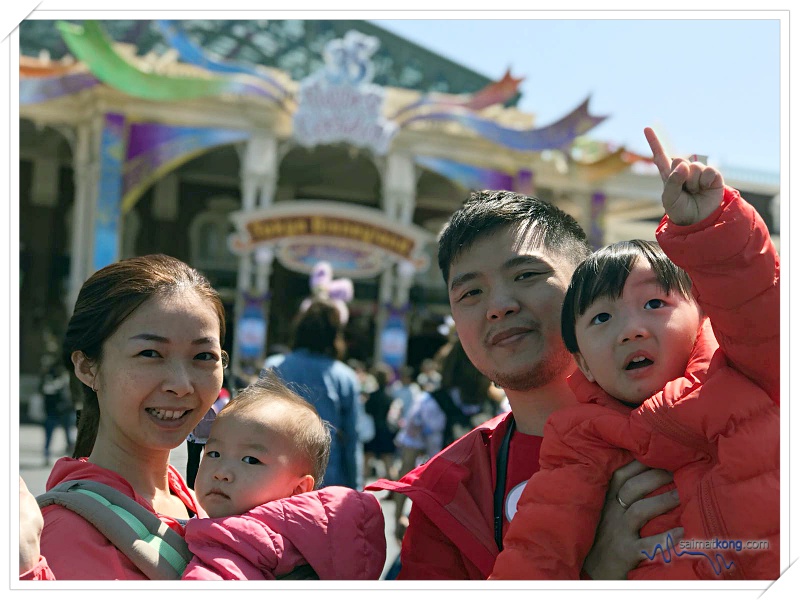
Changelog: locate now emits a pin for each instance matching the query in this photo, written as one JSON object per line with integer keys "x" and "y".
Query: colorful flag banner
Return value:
{"x": 557, "y": 136}
{"x": 90, "y": 44}
{"x": 107, "y": 215}
{"x": 155, "y": 149}
{"x": 468, "y": 176}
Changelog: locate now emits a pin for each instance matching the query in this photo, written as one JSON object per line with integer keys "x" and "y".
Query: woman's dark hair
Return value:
{"x": 383, "y": 374}
{"x": 459, "y": 372}
{"x": 318, "y": 329}
{"x": 109, "y": 297}
{"x": 604, "y": 274}
{"x": 306, "y": 430}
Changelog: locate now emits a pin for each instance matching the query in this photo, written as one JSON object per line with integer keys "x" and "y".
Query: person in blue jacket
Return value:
{"x": 314, "y": 370}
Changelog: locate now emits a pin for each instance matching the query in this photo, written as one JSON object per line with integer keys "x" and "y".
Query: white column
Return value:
{"x": 402, "y": 181}
{"x": 86, "y": 171}
{"x": 259, "y": 174}
{"x": 266, "y": 149}
{"x": 399, "y": 197}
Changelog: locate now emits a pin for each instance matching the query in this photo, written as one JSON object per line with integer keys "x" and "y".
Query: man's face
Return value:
{"x": 505, "y": 297}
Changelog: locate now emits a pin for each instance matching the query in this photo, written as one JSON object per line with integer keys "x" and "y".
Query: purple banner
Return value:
{"x": 394, "y": 339}
{"x": 154, "y": 149}
{"x": 469, "y": 176}
{"x": 33, "y": 90}
{"x": 597, "y": 228}
{"x": 558, "y": 136}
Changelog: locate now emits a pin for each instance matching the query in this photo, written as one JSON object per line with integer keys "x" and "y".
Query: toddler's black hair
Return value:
{"x": 605, "y": 272}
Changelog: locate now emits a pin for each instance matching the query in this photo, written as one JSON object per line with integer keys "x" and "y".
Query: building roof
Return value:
{"x": 293, "y": 46}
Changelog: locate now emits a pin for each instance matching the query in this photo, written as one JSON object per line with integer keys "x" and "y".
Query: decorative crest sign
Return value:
{"x": 339, "y": 103}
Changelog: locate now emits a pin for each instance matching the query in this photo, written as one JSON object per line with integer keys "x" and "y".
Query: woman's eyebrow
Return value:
{"x": 149, "y": 337}
{"x": 205, "y": 340}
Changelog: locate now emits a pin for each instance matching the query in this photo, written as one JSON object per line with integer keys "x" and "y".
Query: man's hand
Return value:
{"x": 617, "y": 546}
{"x": 31, "y": 524}
{"x": 692, "y": 190}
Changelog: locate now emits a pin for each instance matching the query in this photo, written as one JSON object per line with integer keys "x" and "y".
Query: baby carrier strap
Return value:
{"x": 301, "y": 572}
{"x": 158, "y": 551}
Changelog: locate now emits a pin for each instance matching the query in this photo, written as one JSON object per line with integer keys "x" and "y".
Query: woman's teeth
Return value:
{"x": 166, "y": 415}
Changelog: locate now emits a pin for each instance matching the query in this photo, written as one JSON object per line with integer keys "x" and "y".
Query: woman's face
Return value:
{"x": 160, "y": 372}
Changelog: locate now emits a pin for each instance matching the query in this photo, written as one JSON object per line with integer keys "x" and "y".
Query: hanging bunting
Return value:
{"x": 91, "y": 45}
{"x": 33, "y": 90}
{"x": 558, "y": 136}
{"x": 609, "y": 165}
{"x": 469, "y": 177}
{"x": 193, "y": 54}
{"x": 494, "y": 93}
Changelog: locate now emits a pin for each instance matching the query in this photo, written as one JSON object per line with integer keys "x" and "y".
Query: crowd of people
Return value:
{"x": 590, "y": 409}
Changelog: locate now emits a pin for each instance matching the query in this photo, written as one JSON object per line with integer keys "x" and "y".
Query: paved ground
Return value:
{"x": 35, "y": 472}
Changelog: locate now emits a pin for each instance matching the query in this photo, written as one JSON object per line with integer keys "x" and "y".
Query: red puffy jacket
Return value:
{"x": 716, "y": 429}
{"x": 339, "y": 532}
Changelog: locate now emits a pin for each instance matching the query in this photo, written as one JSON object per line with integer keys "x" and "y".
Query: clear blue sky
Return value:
{"x": 707, "y": 86}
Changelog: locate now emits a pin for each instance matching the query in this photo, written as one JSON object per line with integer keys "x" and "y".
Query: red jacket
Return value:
{"x": 339, "y": 532}
{"x": 451, "y": 530}
{"x": 715, "y": 429}
{"x": 73, "y": 548}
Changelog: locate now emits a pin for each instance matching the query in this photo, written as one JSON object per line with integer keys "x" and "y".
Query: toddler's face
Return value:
{"x": 247, "y": 461}
{"x": 633, "y": 345}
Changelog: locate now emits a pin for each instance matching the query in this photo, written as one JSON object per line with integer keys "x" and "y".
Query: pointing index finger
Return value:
{"x": 660, "y": 157}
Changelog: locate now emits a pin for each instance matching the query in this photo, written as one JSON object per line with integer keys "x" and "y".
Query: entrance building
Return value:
{"x": 253, "y": 150}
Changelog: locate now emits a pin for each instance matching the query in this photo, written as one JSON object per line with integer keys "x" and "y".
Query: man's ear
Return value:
{"x": 306, "y": 484}
{"x": 85, "y": 369}
{"x": 583, "y": 366}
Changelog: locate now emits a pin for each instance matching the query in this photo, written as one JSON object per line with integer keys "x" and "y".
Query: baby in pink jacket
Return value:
{"x": 258, "y": 481}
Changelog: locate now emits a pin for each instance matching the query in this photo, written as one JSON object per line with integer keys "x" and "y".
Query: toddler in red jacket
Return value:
{"x": 678, "y": 368}
{"x": 258, "y": 481}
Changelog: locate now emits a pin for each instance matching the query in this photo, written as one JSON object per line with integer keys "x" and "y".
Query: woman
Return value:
{"x": 314, "y": 370}
{"x": 378, "y": 405}
{"x": 145, "y": 341}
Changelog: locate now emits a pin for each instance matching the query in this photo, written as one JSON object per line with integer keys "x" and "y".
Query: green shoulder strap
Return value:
{"x": 158, "y": 551}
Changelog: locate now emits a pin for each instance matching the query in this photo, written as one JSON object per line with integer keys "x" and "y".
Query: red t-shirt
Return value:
{"x": 523, "y": 462}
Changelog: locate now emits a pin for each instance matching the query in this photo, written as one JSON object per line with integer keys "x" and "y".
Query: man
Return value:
{"x": 507, "y": 260}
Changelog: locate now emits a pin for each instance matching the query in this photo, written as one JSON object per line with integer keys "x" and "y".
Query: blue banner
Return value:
{"x": 109, "y": 193}
{"x": 394, "y": 339}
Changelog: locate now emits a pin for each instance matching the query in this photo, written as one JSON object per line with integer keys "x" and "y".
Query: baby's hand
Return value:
{"x": 692, "y": 190}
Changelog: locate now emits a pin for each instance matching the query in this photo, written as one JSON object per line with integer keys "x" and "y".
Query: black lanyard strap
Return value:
{"x": 500, "y": 486}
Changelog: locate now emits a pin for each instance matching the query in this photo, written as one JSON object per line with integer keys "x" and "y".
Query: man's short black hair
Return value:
{"x": 604, "y": 274}
{"x": 484, "y": 212}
